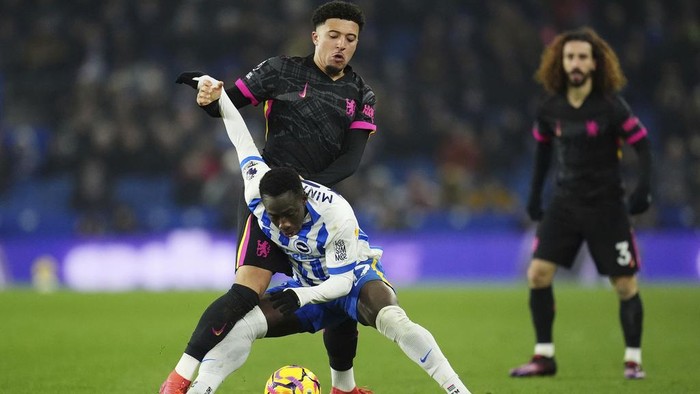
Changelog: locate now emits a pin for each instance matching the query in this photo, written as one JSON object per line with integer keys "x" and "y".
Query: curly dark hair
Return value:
{"x": 280, "y": 180}
{"x": 338, "y": 9}
{"x": 607, "y": 77}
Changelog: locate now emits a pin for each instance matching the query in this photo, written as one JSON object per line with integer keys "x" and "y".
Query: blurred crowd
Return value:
{"x": 87, "y": 96}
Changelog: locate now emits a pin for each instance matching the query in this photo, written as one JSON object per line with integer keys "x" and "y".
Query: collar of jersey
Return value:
{"x": 312, "y": 215}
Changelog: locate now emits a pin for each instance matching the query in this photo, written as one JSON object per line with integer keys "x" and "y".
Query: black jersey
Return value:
{"x": 588, "y": 143}
{"x": 307, "y": 113}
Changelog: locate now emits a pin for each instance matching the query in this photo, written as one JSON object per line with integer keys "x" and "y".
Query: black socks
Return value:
{"x": 219, "y": 318}
{"x": 631, "y": 316}
{"x": 341, "y": 344}
{"x": 542, "y": 312}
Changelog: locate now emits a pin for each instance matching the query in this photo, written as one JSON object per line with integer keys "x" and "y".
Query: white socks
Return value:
{"x": 230, "y": 353}
{"x": 420, "y": 346}
{"x": 633, "y": 354}
{"x": 343, "y": 380}
{"x": 415, "y": 341}
{"x": 544, "y": 349}
{"x": 187, "y": 366}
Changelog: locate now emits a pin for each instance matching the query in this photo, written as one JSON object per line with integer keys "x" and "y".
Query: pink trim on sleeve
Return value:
{"x": 630, "y": 123}
{"x": 539, "y": 136}
{"x": 363, "y": 125}
{"x": 246, "y": 92}
{"x": 268, "y": 108}
{"x": 243, "y": 247}
{"x": 637, "y": 136}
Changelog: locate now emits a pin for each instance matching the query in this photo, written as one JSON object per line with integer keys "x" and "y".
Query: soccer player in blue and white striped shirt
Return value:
{"x": 336, "y": 272}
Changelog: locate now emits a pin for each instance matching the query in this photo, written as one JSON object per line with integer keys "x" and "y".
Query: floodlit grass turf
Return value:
{"x": 128, "y": 342}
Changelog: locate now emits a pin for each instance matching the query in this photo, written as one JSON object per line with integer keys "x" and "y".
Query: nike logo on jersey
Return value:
{"x": 219, "y": 331}
{"x": 303, "y": 92}
{"x": 422, "y": 359}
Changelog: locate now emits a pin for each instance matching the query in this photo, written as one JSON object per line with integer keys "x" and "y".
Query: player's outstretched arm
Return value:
{"x": 208, "y": 94}
{"x": 236, "y": 128}
{"x": 252, "y": 165}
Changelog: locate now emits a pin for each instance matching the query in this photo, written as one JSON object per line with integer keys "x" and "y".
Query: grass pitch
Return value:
{"x": 128, "y": 342}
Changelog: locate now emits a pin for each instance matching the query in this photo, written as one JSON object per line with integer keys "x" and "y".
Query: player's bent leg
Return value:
{"x": 218, "y": 319}
{"x": 230, "y": 354}
{"x": 374, "y": 296}
{"x": 420, "y": 346}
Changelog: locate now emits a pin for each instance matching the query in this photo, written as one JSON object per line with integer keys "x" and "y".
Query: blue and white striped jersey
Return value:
{"x": 330, "y": 241}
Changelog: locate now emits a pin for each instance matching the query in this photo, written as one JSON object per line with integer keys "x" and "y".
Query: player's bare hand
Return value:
{"x": 209, "y": 91}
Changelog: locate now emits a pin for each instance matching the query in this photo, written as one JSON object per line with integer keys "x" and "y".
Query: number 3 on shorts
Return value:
{"x": 624, "y": 256}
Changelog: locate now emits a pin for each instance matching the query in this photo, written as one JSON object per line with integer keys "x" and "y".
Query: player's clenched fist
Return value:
{"x": 209, "y": 90}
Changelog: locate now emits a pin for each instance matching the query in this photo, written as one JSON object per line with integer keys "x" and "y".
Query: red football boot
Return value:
{"x": 174, "y": 384}
{"x": 356, "y": 390}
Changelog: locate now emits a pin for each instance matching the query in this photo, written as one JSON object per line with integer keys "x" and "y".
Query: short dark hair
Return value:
{"x": 280, "y": 180}
{"x": 340, "y": 10}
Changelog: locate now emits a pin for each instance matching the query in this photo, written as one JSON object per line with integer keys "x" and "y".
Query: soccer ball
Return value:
{"x": 293, "y": 379}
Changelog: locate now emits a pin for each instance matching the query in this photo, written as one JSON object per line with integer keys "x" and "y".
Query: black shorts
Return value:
{"x": 605, "y": 228}
{"x": 255, "y": 248}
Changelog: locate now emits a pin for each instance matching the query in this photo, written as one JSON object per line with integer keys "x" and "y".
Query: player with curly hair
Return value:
{"x": 584, "y": 122}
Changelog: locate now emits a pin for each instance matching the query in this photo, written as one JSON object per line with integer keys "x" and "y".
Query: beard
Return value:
{"x": 577, "y": 78}
{"x": 333, "y": 71}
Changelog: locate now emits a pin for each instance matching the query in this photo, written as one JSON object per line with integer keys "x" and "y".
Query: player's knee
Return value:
{"x": 255, "y": 278}
{"x": 540, "y": 274}
{"x": 392, "y": 322}
{"x": 625, "y": 286}
{"x": 239, "y": 301}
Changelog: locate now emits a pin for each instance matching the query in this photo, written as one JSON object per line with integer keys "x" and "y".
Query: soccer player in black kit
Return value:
{"x": 319, "y": 115}
{"x": 583, "y": 124}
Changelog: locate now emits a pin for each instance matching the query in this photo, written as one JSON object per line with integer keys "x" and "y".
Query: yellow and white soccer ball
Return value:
{"x": 293, "y": 379}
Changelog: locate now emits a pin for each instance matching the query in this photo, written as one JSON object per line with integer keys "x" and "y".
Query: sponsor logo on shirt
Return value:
{"x": 341, "y": 252}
